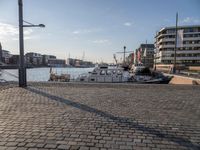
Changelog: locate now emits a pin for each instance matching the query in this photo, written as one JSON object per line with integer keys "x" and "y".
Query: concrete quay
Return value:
{"x": 76, "y": 116}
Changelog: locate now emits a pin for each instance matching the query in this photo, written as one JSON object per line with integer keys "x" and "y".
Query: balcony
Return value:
{"x": 182, "y": 52}
{"x": 166, "y": 40}
{"x": 184, "y": 45}
{"x": 181, "y": 58}
{"x": 191, "y": 45}
{"x": 166, "y": 46}
{"x": 191, "y": 38}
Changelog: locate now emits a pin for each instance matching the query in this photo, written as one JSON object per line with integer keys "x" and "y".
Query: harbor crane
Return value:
{"x": 124, "y": 52}
{"x": 114, "y": 56}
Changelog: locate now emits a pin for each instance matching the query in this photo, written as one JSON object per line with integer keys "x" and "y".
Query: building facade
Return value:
{"x": 79, "y": 63}
{"x": 145, "y": 55}
{"x": 33, "y": 59}
{"x": 6, "y": 56}
{"x": 14, "y": 59}
{"x": 46, "y": 58}
{"x": 188, "y": 45}
{"x": 56, "y": 63}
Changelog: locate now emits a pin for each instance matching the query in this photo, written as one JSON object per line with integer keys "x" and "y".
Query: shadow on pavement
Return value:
{"x": 119, "y": 120}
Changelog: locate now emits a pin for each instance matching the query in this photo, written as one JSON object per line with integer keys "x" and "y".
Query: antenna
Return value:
{"x": 83, "y": 57}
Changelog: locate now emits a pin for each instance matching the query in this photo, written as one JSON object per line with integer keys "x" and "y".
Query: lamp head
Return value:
{"x": 41, "y": 25}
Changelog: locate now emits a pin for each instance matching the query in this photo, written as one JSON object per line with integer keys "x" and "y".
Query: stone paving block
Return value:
{"x": 51, "y": 146}
{"x": 53, "y": 116}
{"x": 84, "y": 148}
{"x": 11, "y": 148}
{"x": 63, "y": 147}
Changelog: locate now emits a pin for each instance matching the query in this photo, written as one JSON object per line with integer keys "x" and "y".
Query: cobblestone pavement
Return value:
{"x": 100, "y": 116}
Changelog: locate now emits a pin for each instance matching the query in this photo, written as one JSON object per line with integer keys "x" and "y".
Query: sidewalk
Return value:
{"x": 100, "y": 116}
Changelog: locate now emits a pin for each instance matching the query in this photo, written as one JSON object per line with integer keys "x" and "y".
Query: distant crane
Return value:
{"x": 114, "y": 56}
{"x": 83, "y": 57}
{"x": 124, "y": 52}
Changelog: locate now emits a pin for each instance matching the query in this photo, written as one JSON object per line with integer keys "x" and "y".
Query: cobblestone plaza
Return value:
{"x": 99, "y": 116}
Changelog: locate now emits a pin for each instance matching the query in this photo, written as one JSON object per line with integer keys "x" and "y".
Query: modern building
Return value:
{"x": 46, "y": 58}
{"x": 14, "y": 59}
{"x": 79, "y": 63}
{"x": 6, "y": 56}
{"x": 56, "y": 63}
{"x": 145, "y": 55}
{"x": 188, "y": 46}
{"x": 33, "y": 59}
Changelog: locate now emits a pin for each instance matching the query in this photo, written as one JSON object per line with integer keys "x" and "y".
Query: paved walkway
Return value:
{"x": 99, "y": 116}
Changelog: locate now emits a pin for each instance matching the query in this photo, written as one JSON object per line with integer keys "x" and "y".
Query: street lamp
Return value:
{"x": 22, "y": 67}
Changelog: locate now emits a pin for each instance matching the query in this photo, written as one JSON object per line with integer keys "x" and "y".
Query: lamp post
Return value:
{"x": 124, "y": 55}
{"x": 175, "y": 48}
{"x": 22, "y": 67}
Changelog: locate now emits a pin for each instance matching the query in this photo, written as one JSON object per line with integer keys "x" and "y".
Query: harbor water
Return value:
{"x": 42, "y": 74}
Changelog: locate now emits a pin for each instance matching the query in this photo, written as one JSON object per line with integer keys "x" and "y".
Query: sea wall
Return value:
{"x": 177, "y": 79}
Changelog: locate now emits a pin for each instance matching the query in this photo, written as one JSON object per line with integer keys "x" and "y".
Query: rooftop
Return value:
{"x": 180, "y": 27}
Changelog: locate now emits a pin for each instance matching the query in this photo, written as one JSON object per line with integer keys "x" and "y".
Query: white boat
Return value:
{"x": 136, "y": 68}
{"x": 103, "y": 73}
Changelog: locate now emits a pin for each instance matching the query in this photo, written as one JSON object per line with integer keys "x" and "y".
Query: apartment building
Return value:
{"x": 145, "y": 55}
{"x": 188, "y": 46}
{"x": 46, "y": 58}
{"x": 33, "y": 59}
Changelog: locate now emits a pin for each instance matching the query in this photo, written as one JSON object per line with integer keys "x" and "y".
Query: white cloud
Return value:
{"x": 75, "y": 32}
{"x": 86, "y": 31}
{"x": 128, "y": 24}
{"x": 190, "y": 20}
{"x": 28, "y": 31}
{"x": 100, "y": 41}
{"x": 82, "y": 31}
{"x": 8, "y": 31}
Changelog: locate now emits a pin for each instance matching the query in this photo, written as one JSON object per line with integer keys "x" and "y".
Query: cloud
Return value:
{"x": 82, "y": 31}
{"x": 100, "y": 41}
{"x": 128, "y": 24}
{"x": 9, "y": 31}
{"x": 28, "y": 31}
{"x": 75, "y": 32}
{"x": 86, "y": 31}
{"x": 190, "y": 20}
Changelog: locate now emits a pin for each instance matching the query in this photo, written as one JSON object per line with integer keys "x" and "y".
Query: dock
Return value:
{"x": 103, "y": 116}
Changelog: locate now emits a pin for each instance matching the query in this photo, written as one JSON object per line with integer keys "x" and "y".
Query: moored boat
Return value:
{"x": 147, "y": 76}
{"x": 103, "y": 73}
{"x": 59, "y": 78}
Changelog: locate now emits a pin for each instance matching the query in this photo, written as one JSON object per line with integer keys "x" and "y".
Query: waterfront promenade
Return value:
{"x": 99, "y": 116}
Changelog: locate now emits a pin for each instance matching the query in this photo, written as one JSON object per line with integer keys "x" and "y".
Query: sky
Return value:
{"x": 91, "y": 29}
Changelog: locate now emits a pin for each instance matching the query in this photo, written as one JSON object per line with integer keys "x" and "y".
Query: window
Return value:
{"x": 102, "y": 72}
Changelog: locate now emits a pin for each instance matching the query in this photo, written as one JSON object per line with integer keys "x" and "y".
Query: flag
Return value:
{"x": 180, "y": 38}
{"x": 145, "y": 52}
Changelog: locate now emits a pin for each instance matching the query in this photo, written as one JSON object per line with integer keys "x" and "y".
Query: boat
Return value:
{"x": 147, "y": 76}
{"x": 59, "y": 78}
{"x": 137, "y": 67}
{"x": 105, "y": 74}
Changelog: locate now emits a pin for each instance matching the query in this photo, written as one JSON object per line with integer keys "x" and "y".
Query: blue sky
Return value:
{"x": 98, "y": 28}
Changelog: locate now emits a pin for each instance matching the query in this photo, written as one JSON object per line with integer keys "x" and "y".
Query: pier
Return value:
{"x": 99, "y": 116}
